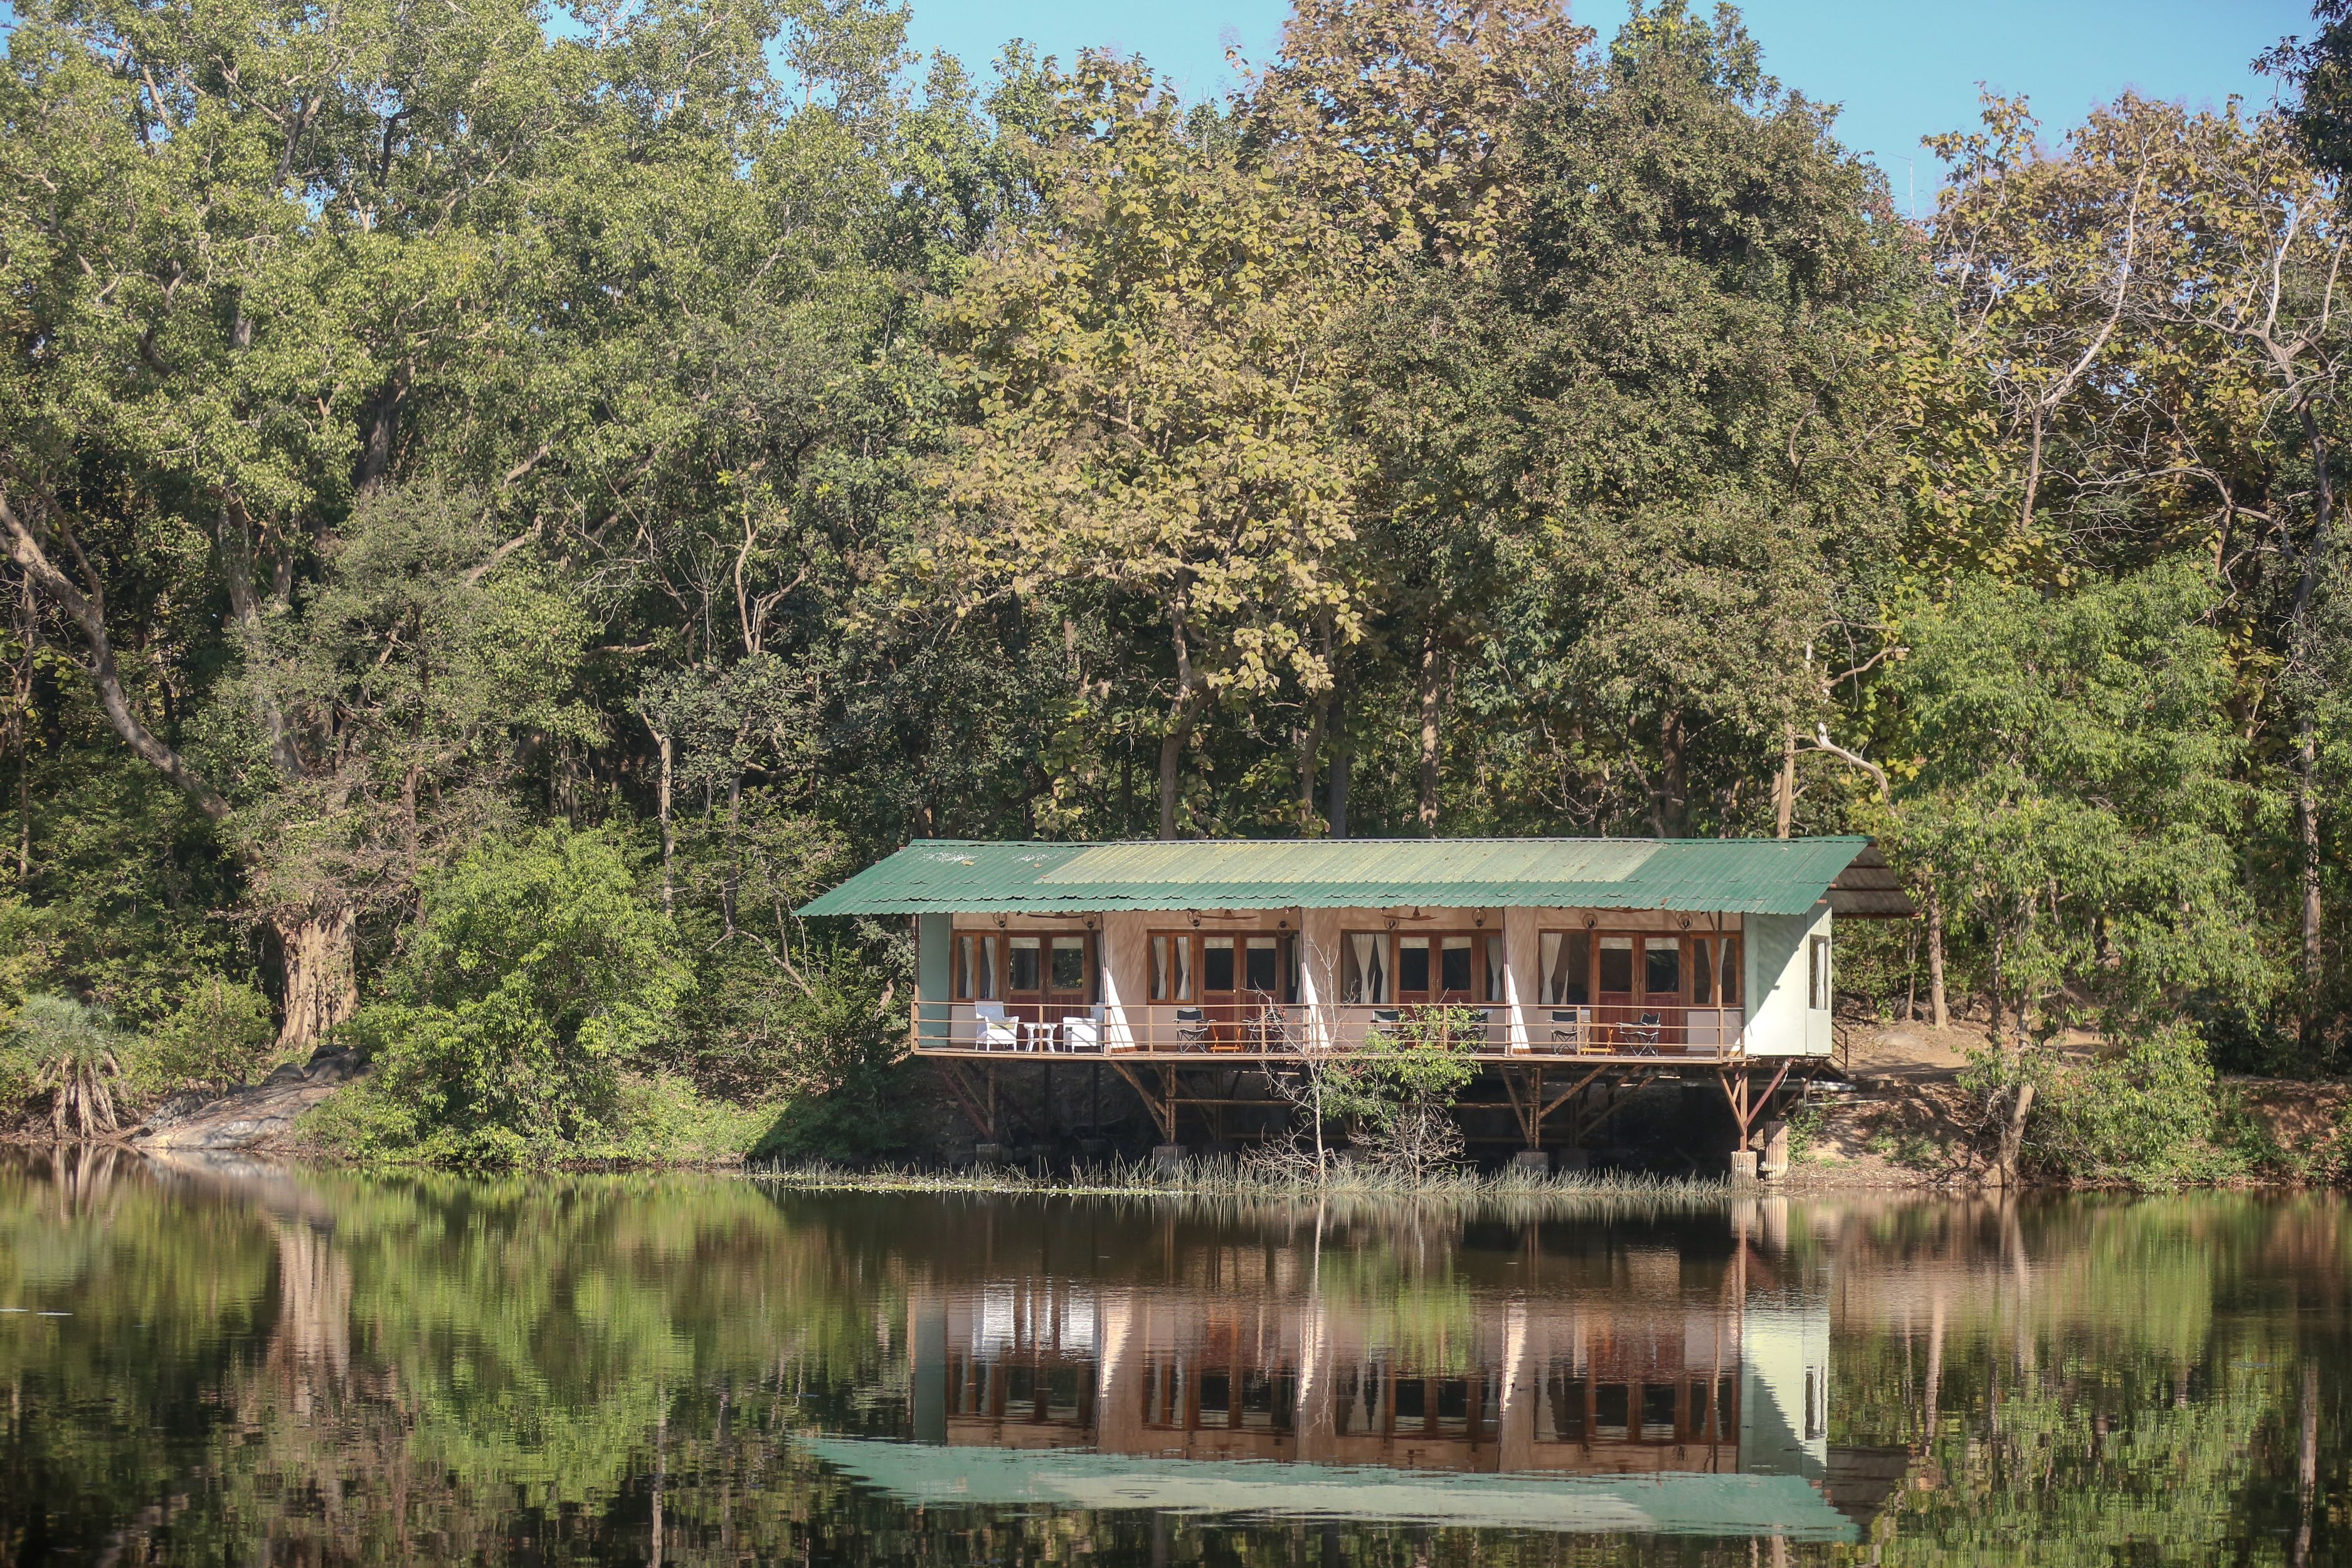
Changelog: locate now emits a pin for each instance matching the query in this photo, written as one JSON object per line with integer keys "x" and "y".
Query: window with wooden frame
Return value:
{"x": 1579, "y": 968}
{"x": 1714, "y": 970}
{"x": 976, "y": 977}
{"x": 1188, "y": 967}
{"x": 1024, "y": 966}
{"x": 1385, "y": 968}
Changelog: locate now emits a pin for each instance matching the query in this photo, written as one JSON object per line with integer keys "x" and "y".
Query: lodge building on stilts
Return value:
{"x": 1577, "y": 971}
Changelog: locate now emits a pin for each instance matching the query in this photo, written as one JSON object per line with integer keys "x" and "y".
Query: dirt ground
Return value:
{"x": 1901, "y": 1119}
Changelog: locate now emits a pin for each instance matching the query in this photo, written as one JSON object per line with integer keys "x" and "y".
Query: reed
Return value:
{"x": 1224, "y": 1177}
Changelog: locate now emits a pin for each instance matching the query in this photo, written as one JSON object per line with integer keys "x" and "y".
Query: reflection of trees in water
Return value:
{"x": 81, "y": 1175}
{"x": 312, "y": 1340}
{"x": 2073, "y": 1375}
{"x": 346, "y": 1369}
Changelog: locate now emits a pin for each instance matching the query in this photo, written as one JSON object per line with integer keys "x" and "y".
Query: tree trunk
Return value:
{"x": 662, "y": 807}
{"x": 2306, "y": 796}
{"x": 1180, "y": 711}
{"x": 1340, "y": 766}
{"x": 1911, "y": 978}
{"x": 1674, "y": 800}
{"x": 2013, "y": 1133}
{"x": 1172, "y": 758}
{"x": 1784, "y": 787}
{"x": 86, "y": 608}
{"x": 2032, "y": 474}
{"x": 1310, "y": 749}
{"x": 322, "y": 989}
{"x": 2306, "y": 842}
{"x": 1433, "y": 668}
{"x": 1342, "y": 762}
{"x": 1937, "y": 1013}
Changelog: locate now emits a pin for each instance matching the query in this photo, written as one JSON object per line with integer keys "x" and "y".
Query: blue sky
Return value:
{"x": 1902, "y": 70}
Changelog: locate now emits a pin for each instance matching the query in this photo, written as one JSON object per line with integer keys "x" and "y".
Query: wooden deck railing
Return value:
{"x": 1257, "y": 1029}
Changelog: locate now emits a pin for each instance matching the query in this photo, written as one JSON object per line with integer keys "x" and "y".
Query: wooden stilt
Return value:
{"x": 1769, "y": 1090}
{"x": 1738, "y": 1087}
{"x": 1163, "y": 1112}
{"x": 1523, "y": 1104}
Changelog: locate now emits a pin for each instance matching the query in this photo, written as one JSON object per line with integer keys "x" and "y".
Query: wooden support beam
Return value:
{"x": 1522, "y": 1112}
{"x": 1773, "y": 1088}
{"x": 976, "y": 1103}
{"x": 1740, "y": 1091}
{"x": 1623, "y": 1098}
{"x": 1162, "y": 1117}
{"x": 1565, "y": 1095}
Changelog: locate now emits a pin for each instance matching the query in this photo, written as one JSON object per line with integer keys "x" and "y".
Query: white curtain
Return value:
{"x": 1366, "y": 946}
{"x": 1555, "y": 984}
{"x": 987, "y": 989}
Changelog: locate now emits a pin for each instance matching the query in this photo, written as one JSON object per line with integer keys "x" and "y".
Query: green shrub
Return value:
{"x": 2147, "y": 1115}
{"x": 534, "y": 978}
{"x": 220, "y": 1034}
{"x": 661, "y": 1118}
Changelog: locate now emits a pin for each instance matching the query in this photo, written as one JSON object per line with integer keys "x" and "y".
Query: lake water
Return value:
{"x": 233, "y": 1364}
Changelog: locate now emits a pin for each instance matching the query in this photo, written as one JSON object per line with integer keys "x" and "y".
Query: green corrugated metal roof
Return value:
{"x": 1728, "y": 876}
{"x": 1660, "y": 1504}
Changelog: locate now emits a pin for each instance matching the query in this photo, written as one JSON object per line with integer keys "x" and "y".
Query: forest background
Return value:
{"x": 502, "y": 504}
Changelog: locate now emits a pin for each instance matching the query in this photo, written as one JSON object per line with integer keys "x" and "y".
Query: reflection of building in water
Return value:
{"x": 1660, "y": 1393}
{"x": 1582, "y": 1383}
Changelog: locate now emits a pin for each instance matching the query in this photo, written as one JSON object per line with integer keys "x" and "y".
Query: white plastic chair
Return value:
{"x": 1081, "y": 1034}
{"x": 997, "y": 1032}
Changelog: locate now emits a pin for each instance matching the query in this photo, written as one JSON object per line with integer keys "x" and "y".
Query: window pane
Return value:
{"x": 1454, "y": 964}
{"x": 1616, "y": 964}
{"x": 1183, "y": 969}
{"x": 1069, "y": 963}
{"x": 1613, "y": 1405}
{"x": 1731, "y": 971}
{"x": 1412, "y": 965}
{"x": 961, "y": 988}
{"x": 1702, "y": 972}
{"x": 1025, "y": 952}
{"x": 1818, "y": 950}
{"x": 1494, "y": 969}
{"x": 1261, "y": 975}
{"x": 1217, "y": 964}
{"x": 1159, "y": 969}
{"x": 1567, "y": 957}
{"x": 1565, "y": 1392}
{"x": 1662, "y": 968}
{"x": 987, "y": 987}
{"x": 1364, "y": 962}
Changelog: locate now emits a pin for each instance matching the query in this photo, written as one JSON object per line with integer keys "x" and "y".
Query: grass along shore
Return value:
{"x": 1225, "y": 1177}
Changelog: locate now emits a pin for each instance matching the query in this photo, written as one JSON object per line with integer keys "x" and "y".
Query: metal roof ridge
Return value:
{"x": 1474, "y": 838}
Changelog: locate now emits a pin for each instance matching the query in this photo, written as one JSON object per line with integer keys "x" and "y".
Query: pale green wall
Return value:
{"x": 1779, "y": 1023}
{"x": 932, "y": 973}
